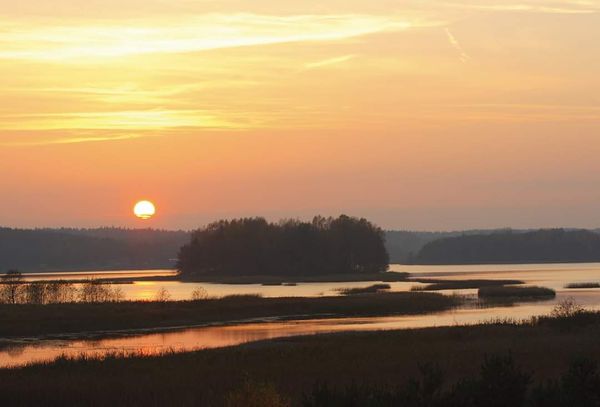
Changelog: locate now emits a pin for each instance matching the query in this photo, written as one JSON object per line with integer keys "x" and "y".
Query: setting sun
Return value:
{"x": 144, "y": 209}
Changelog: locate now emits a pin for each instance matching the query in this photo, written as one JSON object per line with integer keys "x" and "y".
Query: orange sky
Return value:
{"x": 416, "y": 114}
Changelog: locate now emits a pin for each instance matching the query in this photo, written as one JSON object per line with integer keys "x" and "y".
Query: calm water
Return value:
{"x": 554, "y": 276}
{"x": 549, "y": 275}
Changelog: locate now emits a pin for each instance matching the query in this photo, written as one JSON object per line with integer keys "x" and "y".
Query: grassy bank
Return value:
{"x": 287, "y": 369}
{"x": 35, "y": 320}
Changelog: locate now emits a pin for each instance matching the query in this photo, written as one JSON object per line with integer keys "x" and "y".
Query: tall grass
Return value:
{"x": 515, "y": 292}
{"x": 31, "y": 319}
{"x": 502, "y": 364}
{"x": 375, "y": 288}
{"x": 437, "y": 285}
{"x": 583, "y": 285}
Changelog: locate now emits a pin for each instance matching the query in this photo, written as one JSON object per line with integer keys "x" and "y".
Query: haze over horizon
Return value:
{"x": 422, "y": 115}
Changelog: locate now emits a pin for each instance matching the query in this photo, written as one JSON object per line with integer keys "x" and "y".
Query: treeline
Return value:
{"x": 76, "y": 249}
{"x": 253, "y": 246}
{"x": 542, "y": 246}
{"x": 68, "y": 249}
{"x": 404, "y": 245}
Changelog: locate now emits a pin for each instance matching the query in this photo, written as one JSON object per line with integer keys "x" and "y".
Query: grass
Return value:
{"x": 437, "y": 285}
{"x": 583, "y": 285}
{"x": 372, "y": 289}
{"x": 53, "y": 319}
{"x": 288, "y": 368}
{"x": 531, "y": 292}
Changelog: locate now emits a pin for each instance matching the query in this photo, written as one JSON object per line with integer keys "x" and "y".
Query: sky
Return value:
{"x": 422, "y": 115}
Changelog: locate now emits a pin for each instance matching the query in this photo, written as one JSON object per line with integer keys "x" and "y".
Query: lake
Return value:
{"x": 556, "y": 276}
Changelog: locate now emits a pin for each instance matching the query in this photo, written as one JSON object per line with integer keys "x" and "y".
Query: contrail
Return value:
{"x": 464, "y": 57}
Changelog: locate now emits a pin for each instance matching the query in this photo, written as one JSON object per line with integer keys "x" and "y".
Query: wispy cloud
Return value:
{"x": 555, "y": 7}
{"x": 130, "y": 92}
{"x": 55, "y": 41}
{"x": 329, "y": 61}
{"x": 120, "y": 120}
{"x": 75, "y": 139}
{"x": 464, "y": 57}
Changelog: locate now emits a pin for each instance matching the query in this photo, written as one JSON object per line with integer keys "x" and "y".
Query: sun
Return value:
{"x": 144, "y": 209}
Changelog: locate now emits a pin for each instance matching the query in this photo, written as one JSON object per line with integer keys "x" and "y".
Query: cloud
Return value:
{"x": 58, "y": 42}
{"x": 118, "y": 120}
{"x": 69, "y": 140}
{"x": 329, "y": 61}
{"x": 539, "y": 6}
{"x": 464, "y": 57}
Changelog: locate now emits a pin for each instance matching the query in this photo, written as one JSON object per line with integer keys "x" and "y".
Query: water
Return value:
{"x": 555, "y": 276}
{"x": 178, "y": 290}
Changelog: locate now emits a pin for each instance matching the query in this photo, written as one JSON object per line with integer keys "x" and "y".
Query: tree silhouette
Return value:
{"x": 12, "y": 289}
{"x": 253, "y": 246}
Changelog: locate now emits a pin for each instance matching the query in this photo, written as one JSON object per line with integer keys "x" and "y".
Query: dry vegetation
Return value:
{"x": 51, "y": 319}
{"x": 583, "y": 285}
{"x": 438, "y": 285}
{"x": 372, "y": 289}
{"x": 296, "y": 370}
{"x": 531, "y": 292}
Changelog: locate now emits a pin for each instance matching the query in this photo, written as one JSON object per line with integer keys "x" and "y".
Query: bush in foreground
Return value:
{"x": 501, "y": 382}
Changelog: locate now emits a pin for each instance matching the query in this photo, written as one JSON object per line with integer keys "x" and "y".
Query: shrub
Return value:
{"x": 162, "y": 295}
{"x": 566, "y": 308}
{"x": 12, "y": 288}
{"x": 199, "y": 293}
{"x": 97, "y": 291}
{"x": 255, "y": 394}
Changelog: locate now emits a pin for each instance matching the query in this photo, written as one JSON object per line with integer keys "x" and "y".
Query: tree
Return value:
{"x": 12, "y": 287}
{"x": 162, "y": 295}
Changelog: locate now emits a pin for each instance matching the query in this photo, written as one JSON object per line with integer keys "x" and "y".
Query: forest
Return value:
{"x": 541, "y": 246}
{"x": 81, "y": 249}
{"x": 66, "y": 249}
{"x": 254, "y": 246}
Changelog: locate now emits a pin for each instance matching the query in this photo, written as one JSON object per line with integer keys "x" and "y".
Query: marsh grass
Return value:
{"x": 34, "y": 320}
{"x": 437, "y": 285}
{"x": 430, "y": 362}
{"x": 583, "y": 285}
{"x": 531, "y": 292}
{"x": 372, "y": 289}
